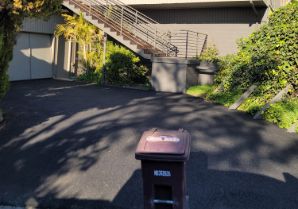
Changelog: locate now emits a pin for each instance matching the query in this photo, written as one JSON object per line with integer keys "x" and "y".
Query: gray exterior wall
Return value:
{"x": 278, "y": 3}
{"x": 47, "y": 55}
{"x": 224, "y": 26}
{"x": 48, "y": 26}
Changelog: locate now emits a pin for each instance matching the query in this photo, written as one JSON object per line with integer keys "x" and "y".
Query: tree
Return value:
{"x": 88, "y": 36}
{"x": 12, "y": 14}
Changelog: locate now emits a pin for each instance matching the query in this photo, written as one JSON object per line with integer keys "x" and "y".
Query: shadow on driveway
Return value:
{"x": 71, "y": 145}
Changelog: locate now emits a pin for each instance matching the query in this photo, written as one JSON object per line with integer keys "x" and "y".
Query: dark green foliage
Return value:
{"x": 268, "y": 56}
{"x": 284, "y": 113}
{"x": 123, "y": 66}
{"x": 7, "y": 40}
{"x": 210, "y": 54}
{"x": 91, "y": 76}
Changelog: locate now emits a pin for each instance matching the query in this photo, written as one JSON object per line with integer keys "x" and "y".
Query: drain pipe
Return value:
{"x": 253, "y": 7}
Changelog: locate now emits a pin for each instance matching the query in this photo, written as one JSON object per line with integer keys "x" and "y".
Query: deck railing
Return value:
{"x": 145, "y": 31}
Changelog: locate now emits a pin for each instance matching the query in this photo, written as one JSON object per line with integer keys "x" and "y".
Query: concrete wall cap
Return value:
{"x": 174, "y": 60}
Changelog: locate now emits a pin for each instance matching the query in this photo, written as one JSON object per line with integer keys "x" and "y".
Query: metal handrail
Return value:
{"x": 130, "y": 21}
{"x": 143, "y": 30}
{"x": 190, "y": 43}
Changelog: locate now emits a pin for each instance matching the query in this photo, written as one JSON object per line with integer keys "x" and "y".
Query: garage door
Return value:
{"x": 32, "y": 57}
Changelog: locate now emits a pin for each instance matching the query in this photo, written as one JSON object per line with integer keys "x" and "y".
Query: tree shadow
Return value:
{"x": 73, "y": 143}
{"x": 208, "y": 189}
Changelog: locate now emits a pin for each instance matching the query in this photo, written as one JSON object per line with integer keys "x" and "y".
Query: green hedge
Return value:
{"x": 268, "y": 56}
{"x": 123, "y": 66}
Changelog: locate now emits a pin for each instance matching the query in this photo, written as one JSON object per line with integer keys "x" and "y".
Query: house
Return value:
{"x": 149, "y": 28}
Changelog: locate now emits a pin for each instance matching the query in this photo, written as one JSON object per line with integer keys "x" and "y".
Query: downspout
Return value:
{"x": 253, "y": 7}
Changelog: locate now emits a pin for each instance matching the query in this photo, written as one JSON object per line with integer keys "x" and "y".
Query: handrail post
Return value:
{"x": 89, "y": 8}
{"x": 197, "y": 43}
{"x": 136, "y": 23}
{"x": 170, "y": 42}
{"x": 121, "y": 27}
{"x": 186, "y": 46}
{"x": 155, "y": 35}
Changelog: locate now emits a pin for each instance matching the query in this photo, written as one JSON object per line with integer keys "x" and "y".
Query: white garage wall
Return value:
{"x": 41, "y": 56}
{"x": 32, "y": 57}
{"x": 19, "y": 68}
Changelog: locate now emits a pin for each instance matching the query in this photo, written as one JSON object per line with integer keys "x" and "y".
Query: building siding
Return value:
{"x": 224, "y": 26}
{"x": 206, "y": 15}
{"x": 136, "y": 2}
{"x": 33, "y": 25}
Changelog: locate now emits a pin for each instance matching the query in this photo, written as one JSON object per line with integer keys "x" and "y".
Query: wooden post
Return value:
{"x": 243, "y": 97}
{"x": 277, "y": 98}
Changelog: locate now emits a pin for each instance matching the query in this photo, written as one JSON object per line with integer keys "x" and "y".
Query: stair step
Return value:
{"x": 128, "y": 37}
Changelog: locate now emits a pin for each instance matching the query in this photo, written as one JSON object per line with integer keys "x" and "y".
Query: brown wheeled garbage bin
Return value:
{"x": 163, "y": 154}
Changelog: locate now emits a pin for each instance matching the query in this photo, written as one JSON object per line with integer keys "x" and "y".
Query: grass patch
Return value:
{"x": 283, "y": 113}
{"x": 252, "y": 105}
{"x": 225, "y": 98}
{"x": 200, "y": 91}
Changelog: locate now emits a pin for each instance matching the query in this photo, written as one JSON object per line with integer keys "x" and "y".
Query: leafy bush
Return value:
{"x": 91, "y": 76}
{"x": 210, "y": 54}
{"x": 252, "y": 105}
{"x": 200, "y": 91}
{"x": 268, "y": 56}
{"x": 123, "y": 66}
{"x": 284, "y": 113}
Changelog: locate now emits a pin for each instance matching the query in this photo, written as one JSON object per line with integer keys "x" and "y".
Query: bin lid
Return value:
{"x": 167, "y": 145}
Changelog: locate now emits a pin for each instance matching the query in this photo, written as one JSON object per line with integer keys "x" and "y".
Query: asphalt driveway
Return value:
{"x": 71, "y": 145}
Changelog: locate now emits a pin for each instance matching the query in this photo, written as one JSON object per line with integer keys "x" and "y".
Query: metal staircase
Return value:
{"x": 135, "y": 30}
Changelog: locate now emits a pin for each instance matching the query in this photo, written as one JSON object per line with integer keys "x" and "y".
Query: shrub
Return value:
{"x": 91, "y": 76}
{"x": 210, "y": 54}
{"x": 268, "y": 56}
{"x": 284, "y": 113}
{"x": 123, "y": 66}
